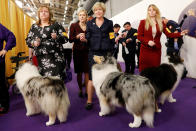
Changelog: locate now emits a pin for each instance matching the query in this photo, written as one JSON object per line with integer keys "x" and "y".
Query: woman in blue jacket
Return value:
{"x": 8, "y": 36}
{"x": 100, "y": 37}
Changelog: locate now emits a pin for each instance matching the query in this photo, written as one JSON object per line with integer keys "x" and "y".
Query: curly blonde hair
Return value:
{"x": 99, "y": 5}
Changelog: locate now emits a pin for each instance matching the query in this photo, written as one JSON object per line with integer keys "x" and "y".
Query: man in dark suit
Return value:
{"x": 173, "y": 44}
{"x": 129, "y": 47}
{"x": 116, "y": 46}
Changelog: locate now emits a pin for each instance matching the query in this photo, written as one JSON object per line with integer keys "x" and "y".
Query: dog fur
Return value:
{"x": 42, "y": 94}
{"x": 166, "y": 77}
{"x": 114, "y": 88}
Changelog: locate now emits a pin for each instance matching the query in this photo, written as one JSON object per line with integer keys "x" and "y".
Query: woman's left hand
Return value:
{"x": 53, "y": 35}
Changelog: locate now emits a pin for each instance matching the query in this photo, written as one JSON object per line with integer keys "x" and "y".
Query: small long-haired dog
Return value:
{"x": 166, "y": 77}
{"x": 42, "y": 94}
{"x": 114, "y": 88}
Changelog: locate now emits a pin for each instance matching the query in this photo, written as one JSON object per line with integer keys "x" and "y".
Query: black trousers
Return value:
{"x": 4, "y": 95}
{"x": 129, "y": 61}
{"x": 68, "y": 56}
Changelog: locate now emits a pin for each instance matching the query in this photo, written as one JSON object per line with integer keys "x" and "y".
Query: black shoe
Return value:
{"x": 3, "y": 110}
{"x": 85, "y": 95}
{"x": 89, "y": 106}
{"x": 80, "y": 94}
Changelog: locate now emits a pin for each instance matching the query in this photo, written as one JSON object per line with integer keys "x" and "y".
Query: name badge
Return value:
{"x": 111, "y": 34}
{"x": 65, "y": 34}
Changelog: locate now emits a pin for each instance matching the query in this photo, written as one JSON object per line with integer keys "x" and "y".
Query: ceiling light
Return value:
{"x": 19, "y": 3}
{"x": 47, "y": 1}
{"x": 65, "y": 7}
{"x": 67, "y": 2}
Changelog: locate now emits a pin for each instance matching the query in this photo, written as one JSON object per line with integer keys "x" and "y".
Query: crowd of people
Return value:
{"x": 48, "y": 41}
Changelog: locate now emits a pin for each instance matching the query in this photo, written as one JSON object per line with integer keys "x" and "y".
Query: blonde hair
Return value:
{"x": 99, "y": 5}
{"x": 82, "y": 10}
{"x": 51, "y": 21}
{"x": 157, "y": 17}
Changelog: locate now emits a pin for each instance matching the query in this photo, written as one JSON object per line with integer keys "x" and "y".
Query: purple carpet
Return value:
{"x": 179, "y": 116}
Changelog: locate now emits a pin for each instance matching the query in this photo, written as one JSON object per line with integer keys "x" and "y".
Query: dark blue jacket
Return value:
{"x": 100, "y": 39}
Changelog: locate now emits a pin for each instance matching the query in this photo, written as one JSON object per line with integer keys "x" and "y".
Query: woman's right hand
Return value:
{"x": 79, "y": 36}
{"x": 151, "y": 43}
{"x": 184, "y": 32}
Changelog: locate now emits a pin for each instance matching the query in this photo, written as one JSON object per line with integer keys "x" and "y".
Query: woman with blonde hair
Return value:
{"x": 80, "y": 49}
{"x": 46, "y": 38}
{"x": 149, "y": 34}
{"x": 100, "y": 37}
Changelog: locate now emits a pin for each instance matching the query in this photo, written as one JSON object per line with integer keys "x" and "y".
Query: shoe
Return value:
{"x": 89, "y": 106}
{"x": 85, "y": 95}
{"x": 80, "y": 94}
{"x": 3, "y": 110}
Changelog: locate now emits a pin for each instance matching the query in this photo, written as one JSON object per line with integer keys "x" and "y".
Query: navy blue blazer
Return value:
{"x": 100, "y": 39}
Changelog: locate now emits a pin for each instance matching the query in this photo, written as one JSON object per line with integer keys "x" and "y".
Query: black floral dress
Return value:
{"x": 50, "y": 51}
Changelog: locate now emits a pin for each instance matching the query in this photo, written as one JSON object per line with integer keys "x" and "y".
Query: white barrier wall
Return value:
{"x": 170, "y": 9}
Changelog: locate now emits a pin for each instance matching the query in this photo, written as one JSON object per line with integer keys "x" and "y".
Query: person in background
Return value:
{"x": 100, "y": 38}
{"x": 46, "y": 38}
{"x": 149, "y": 34}
{"x": 116, "y": 29}
{"x": 173, "y": 44}
{"x": 9, "y": 38}
{"x": 67, "y": 50}
{"x": 80, "y": 49}
{"x": 129, "y": 47}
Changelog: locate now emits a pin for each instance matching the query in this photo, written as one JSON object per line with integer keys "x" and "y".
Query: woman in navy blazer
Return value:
{"x": 100, "y": 37}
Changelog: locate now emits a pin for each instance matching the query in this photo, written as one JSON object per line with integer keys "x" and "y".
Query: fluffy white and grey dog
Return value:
{"x": 166, "y": 77}
{"x": 42, "y": 94}
{"x": 114, "y": 88}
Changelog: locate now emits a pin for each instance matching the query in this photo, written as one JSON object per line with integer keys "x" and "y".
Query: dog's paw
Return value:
{"x": 158, "y": 110}
{"x": 132, "y": 125}
{"x": 28, "y": 114}
{"x": 101, "y": 113}
{"x": 49, "y": 123}
{"x": 172, "y": 100}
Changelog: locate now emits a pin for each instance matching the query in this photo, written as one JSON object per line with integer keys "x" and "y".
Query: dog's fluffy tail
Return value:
{"x": 148, "y": 116}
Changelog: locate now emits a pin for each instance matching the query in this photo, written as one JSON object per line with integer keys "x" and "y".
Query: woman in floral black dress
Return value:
{"x": 46, "y": 38}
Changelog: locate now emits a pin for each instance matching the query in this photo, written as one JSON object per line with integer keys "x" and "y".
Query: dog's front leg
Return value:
{"x": 137, "y": 121}
{"x": 52, "y": 118}
{"x": 171, "y": 99}
{"x": 105, "y": 107}
{"x": 29, "y": 107}
{"x": 157, "y": 107}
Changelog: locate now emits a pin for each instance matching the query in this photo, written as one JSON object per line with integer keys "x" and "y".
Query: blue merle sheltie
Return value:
{"x": 115, "y": 88}
{"x": 42, "y": 94}
{"x": 166, "y": 77}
